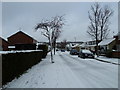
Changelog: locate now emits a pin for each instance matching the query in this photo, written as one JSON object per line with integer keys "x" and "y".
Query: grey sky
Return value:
{"x": 27, "y": 14}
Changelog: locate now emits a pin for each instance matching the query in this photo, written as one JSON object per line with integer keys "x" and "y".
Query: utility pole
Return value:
{"x": 75, "y": 39}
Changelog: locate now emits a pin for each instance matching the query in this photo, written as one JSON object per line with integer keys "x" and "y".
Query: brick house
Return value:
{"x": 107, "y": 44}
{"x": 22, "y": 40}
{"x": 117, "y": 39}
{"x": 116, "y": 53}
{"x": 112, "y": 44}
{"x": 3, "y": 44}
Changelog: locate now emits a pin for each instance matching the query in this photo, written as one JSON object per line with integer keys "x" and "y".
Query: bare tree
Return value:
{"x": 45, "y": 27}
{"x": 93, "y": 28}
{"x": 63, "y": 44}
{"x": 104, "y": 22}
{"x": 51, "y": 30}
{"x": 57, "y": 24}
{"x": 99, "y": 23}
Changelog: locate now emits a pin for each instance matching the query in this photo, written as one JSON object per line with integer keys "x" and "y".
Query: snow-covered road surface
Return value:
{"x": 68, "y": 72}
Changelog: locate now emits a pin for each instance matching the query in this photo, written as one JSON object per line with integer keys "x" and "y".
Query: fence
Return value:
{"x": 116, "y": 54}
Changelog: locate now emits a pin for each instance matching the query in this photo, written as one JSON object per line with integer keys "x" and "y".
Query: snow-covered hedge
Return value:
{"x": 14, "y": 64}
{"x": 16, "y": 51}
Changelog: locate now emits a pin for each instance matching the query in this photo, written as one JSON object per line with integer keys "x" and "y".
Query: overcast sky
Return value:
{"x": 26, "y": 15}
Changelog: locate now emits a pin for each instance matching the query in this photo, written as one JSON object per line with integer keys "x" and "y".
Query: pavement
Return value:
{"x": 108, "y": 60}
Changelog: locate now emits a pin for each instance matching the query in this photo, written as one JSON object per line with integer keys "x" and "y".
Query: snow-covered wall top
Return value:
{"x": 6, "y": 52}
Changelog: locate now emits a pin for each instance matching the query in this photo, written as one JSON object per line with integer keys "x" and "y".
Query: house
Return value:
{"x": 73, "y": 46}
{"x": 90, "y": 45}
{"x": 3, "y": 44}
{"x": 21, "y": 40}
{"x": 117, "y": 39}
{"x": 116, "y": 51}
{"x": 107, "y": 44}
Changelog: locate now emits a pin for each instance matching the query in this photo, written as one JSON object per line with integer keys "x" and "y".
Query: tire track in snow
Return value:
{"x": 71, "y": 65}
{"x": 97, "y": 75}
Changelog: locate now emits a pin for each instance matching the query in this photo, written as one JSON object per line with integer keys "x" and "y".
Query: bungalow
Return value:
{"x": 117, "y": 39}
{"x": 107, "y": 44}
{"x": 21, "y": 40}
{"x": 116, "y": 52}
{"x": 3, "y": 44}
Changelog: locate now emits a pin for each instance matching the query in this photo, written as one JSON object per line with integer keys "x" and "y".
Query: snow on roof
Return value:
{"x": 83, "y": 44}
{"x": 106, "y": 41}
{"x": 76, "y": 45}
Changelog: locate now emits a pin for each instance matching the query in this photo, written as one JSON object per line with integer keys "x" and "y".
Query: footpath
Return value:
{"x": 115, "y": 61}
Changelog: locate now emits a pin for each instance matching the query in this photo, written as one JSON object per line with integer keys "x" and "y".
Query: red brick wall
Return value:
{"x": 116, "y": 54}
{"x": 4, "y": 44}
{"x": 20, "y": 38}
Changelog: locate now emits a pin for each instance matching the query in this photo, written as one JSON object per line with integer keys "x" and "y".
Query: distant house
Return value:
{"x": 3, "y": 44}
{"x": 21, "y": 40}
{"x": 73, "y": 45}
{"x": 88, "y": 45}
{"x": 107, "y": 44}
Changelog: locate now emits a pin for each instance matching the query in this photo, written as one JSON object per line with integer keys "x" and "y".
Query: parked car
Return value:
{"x": 73, "y": 52}
{"x": 62, "y": 50}
{"x": 57, "y": 49}
{"x": 85, "y": 54}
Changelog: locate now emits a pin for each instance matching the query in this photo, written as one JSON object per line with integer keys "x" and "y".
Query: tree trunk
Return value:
{"x": 54, "y": 46}
{"x": 101, "y": 33}
{"x": 51, "y": 53}
{"x": 51, "y": 50}
{"x": 97, "y": 48}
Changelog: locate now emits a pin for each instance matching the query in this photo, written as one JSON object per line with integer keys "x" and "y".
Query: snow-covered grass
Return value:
{"x": 68, "y": 71}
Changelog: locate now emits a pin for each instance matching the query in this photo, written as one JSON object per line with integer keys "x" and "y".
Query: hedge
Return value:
{"x": 44, "y": 48}
{"x": 14, "y": 64}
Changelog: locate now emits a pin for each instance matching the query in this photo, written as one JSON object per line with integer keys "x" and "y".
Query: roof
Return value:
{"x": 3, "y": 40}
{"x": 83, "y": 44}
{"x": 106, "y": 41}
{"x": 24, "y": 34}
{"x": 76, "y": 45}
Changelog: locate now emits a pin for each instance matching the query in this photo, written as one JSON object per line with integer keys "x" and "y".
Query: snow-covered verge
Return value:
{"x": 68, "y": 72}
{"x": 112, "y": 60}
{"x": 15, "y": 51}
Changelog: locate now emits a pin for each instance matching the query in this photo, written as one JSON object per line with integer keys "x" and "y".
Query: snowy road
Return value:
{"x": 68, "y": 72}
